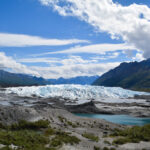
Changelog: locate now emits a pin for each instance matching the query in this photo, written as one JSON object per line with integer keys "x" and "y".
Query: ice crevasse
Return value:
{"x": 73, "y": 92}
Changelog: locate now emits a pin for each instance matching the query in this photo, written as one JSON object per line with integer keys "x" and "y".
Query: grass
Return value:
{"x": 132, "y": 135}
{"x": 91, "y": 137}
{"x": 34, "y": 136}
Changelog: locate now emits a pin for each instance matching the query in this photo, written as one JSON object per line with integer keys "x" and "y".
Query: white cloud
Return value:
{"x": 106, "y": 57}
{"x": 70, "y": 60}
{"x": 138, "y": 57}
{"x": 74, "y": 70}
{"x": 9, "y": 63}
{"x": 21, "y": 40}
{"x": 70, "y": 66}
{"x": 131, "y": 23}
{"x": 39, "y": 60}
{"x": 95, "y": 49}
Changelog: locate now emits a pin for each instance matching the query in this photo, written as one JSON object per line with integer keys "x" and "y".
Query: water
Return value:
{"x": 119, "y": 119}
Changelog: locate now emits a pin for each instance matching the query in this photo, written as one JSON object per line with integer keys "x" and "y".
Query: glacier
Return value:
{"x": 80, "y": 93}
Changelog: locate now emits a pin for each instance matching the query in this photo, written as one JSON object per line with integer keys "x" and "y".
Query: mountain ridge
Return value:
{"x": 8, "y": 79}
{"x": 83, "y": 80}
{"x": 132, "y": 75}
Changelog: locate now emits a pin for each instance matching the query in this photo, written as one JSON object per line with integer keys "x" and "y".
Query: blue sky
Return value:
{"x": 67, "y": 38}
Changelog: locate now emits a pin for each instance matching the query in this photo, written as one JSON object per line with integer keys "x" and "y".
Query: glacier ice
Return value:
{"x": 76, "y": 92}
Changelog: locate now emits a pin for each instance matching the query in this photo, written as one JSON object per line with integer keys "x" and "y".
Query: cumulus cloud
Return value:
{"x": 131, "y": 23}
{"x": 9, "y": 63}
{"x": 21, "y": 40}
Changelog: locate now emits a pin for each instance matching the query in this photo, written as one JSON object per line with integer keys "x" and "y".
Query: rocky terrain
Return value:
{"x": 94, "y": 134}
{"x": 140, "y": 109}
{"x": 65, "y": 121}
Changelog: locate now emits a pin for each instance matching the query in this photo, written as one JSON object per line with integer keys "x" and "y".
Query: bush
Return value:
{"x": 26, "y": 136}
{"x": 132, "y": 135}
{"x": 49, "y": 131}
{"x": 105, "y": 148}
{"x": 91, "y": 137}
{"x": 23, "y": 138}
{"x": 6, "y": 148}
{"x": 30, "y": 125}
{"x": 63, "y": 137}
{"x": 107, "y": 142}
{"x": 96, "y": 148}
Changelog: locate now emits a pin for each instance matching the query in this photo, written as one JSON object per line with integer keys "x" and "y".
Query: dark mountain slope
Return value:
{"x": 134, "y": 75}
{"x": 8, "y": 79}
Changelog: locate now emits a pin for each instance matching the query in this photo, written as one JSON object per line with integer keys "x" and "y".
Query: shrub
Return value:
{"x": 6, "y": 148}
{"x": 96, "y": 148}
{"x": 49, "y": 131}
{"x": 23, "y": 138}
{"x": 30, "y": 125}
{"x": 105, "y": 148}
{"x": 61, "y": 119}
{"x": 132, "y": 135}
{"x": 63, "y": 137}
{"x": 26, "y": 136}
{"x": 91, "y": 137}
{"x": 107, "y": 142}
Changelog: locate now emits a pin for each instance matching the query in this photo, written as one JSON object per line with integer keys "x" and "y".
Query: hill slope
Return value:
{"x": 8, "y": 79}
{"x": 83, "y": 80}
{"x": 134, "y": 75}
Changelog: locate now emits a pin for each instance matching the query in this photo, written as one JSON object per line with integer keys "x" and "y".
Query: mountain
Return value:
{"x": 133, "y": 75}
{"x": 8, "y": 79}
{"x": 83, "y": 80}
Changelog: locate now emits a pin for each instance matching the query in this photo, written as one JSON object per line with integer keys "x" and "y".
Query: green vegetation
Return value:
{"x": 6, "y": 148}
{"x": 22, "y": 124}
{"x": 105, "y": 148}
{"x": 132, "y": 135}
{"x": 107, "y": 142}
{"x": 96, "y": 148}
{"x": 91, "y": 136}
{"x": 30, "y": 125}
{"x": 34, "y": 136}
{"x": 23, "y": 138}
{"x": 66, "y": 122}
{"x": 63, "y": 137}
{"x": 112, "y": 149}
